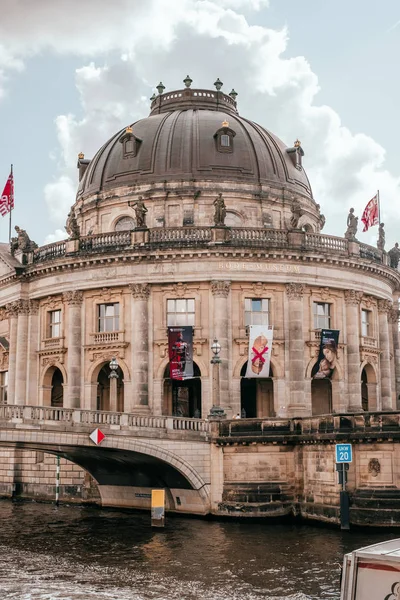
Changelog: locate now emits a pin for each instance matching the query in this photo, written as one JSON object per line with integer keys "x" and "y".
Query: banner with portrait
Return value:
{"x": 180, "y": 350}
{"x": 328, "y": 353}
{"x": 260, "y": 345}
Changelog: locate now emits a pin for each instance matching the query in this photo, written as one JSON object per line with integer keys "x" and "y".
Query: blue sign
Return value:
{"x": 344, "y": 453}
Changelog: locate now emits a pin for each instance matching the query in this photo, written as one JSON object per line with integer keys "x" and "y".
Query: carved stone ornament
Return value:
{"x": 324, "y": 293}
{"x": 105, "y": 294}
{"x": 179, "y": 289}
{"x": 294, "y": 291}
{"x": 18, "y": 307}
{"x": 352, "y": 297}
{"x": 4, "y": 361}
{"x": 259, "y": 290}
{"x": 384, "y": 306}
{"x": 393, "y": 315}
{"x": 52, "y": 302}
{"x": 33, "y": 307}
{"x": 73, "y": 297}
{"x": 140, "y": 291}
{"x": 220, "y": 288}
{"x": 3, "y": 313}
{"x": 369, "y": 302}
{"x": 374, "y": 467}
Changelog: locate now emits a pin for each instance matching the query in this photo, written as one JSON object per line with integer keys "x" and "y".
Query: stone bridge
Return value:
{"x": 138, "y": 453}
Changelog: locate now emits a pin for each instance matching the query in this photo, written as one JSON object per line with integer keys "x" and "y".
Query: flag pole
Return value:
{"x": 11, "y": 203}
{"x": 379, "y": 208}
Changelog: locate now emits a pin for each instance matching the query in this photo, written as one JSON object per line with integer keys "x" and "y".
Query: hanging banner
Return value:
{"x": 260, "y": 345}
{"x": 180, "y": 348}
{"x": 328, "y": 351}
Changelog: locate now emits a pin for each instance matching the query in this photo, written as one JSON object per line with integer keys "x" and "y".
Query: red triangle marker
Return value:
{"x": 97, "y": 436}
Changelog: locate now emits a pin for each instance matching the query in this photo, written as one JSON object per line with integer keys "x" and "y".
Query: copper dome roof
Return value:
{"x": 178, "y": 142}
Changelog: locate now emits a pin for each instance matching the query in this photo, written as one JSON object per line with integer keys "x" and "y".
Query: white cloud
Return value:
{"x": 57, "y": 236}
{"x": 206, "y": 39}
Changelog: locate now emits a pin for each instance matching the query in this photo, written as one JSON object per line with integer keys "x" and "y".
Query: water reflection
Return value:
{"x": 77, "y": 553}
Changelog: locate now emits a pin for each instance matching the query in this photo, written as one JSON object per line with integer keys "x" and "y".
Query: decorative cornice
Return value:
{"x": 140, "y": 291}
{"x": 295, "y": 291}
{"x": 73, "y": 297}
{"x": 384, "y": 306}
{"x": 352, "y": 297}
{"x": 220, "y": 289}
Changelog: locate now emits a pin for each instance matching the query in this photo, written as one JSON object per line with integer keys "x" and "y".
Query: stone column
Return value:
{"x": 394, "y": 323}
{"x": 353, "y": 299}
{"x": 220, "y": 291}
{"x": 140, "y": 346}
{"x": 113, "y": 391}
{"x": 74, "y": 300}
{"x": 384, "y": 306}
{"x": 21, "y": 367}
{"x": 12, "y": 313}
{"x": 33, "y": 347}
{"x": 297, "y": 406}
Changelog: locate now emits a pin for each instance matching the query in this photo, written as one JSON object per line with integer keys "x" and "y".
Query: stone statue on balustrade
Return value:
{"x": 297, "y": 212}
{"x": 220, "y": 211}
{"x": 394, "y": 256}
{"x": 72, "y": 227}
{"x": 22, "y": 241}
{"x": 352, "y": 226}
{"x": 140, "y": 213}
{"x": 381, "y": 237}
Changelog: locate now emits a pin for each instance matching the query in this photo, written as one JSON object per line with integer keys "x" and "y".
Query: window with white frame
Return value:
{"x": 322, "y": 315}
{"x": 366, "y": 323}
{"x": 108, "y": 317}
{"x": 54, "y": 324}
{"x": 256, "y": 311}
{"x": 3, "y": 387}
{"x": 180, "y": 311}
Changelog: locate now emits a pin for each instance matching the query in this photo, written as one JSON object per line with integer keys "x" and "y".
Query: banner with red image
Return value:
{"x": 180, "y": 348}
{"x": 260, "y": 345}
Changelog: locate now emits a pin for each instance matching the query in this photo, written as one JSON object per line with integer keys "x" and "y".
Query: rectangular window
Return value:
{"x": 3, "y": 387}
{"x": 322, "y": 315}
{"x": 256, "y": 311}
{"x": 180, "y": 311}
{"x": 54, "y": 330}
{"x": 225, "y": 141}
{"x": 366, "y": 323}
{"x": 108, "y": 317}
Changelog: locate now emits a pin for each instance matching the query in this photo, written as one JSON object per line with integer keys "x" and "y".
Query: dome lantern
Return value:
{"x": 218, "y": 84}
{"x": 188, "y": 81}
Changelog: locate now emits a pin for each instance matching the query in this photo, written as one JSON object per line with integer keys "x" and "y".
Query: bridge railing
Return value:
{"x": 76, "y": 417}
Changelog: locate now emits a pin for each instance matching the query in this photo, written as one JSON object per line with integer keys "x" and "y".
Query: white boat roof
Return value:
{"x": 391, "y": 548}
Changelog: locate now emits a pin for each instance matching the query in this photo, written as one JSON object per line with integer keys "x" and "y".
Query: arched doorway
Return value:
{"x": 57, "y": 389}
{"x": 368, "y": 388}
{"x": 321, "y": 394}
{"x": 104, "y": 395}
{"x": 182, "y": 398}
{"x": 256, "y": 395}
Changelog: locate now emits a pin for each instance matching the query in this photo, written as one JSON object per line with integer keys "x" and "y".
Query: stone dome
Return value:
{"x": 184, "y": 138}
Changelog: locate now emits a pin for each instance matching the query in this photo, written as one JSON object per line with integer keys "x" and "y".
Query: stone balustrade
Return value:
{"x": 203, "y": 236}
{"x": 107, "y": 337}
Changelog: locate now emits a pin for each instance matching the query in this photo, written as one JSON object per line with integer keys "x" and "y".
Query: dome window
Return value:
{"x": 130, "y": 143}
{"x": 224, "y": 138}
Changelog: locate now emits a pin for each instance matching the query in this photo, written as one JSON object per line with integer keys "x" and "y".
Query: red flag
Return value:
{"x": 7, "y": 197}
{"x": 370, "y": 216}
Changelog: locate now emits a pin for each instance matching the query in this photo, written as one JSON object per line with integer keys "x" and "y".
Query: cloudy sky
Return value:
{"x": 72, "y": 73}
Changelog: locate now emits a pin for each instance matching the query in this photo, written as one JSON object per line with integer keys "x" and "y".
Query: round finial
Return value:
{"x": 160, "y": 87}
{"x": 233, "y": 94}
{"x": 81, "y": 156}
{"x": 297, "y": 144}
{"x": 153, "y": 98}
{"x": 129, "y": 129}
{"x": 218, "y": 84}
{"x": 188, "y": 81}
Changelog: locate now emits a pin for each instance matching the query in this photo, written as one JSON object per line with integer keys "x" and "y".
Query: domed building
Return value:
{"x": 196, "y": 216}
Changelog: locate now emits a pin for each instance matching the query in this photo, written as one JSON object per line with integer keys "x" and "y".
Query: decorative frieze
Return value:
{"x": 352, "y": 297}
{"x": 295, "y": 291}
{"x": 384, "y": 306}
{"x": 140, "y": 290}
{"x": 220, "y": 289}
{"x": 73, "y": 297}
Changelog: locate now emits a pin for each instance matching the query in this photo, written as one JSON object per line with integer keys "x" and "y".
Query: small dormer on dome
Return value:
{"x": 224, "y": 138}
{"x": 130, "y": 143}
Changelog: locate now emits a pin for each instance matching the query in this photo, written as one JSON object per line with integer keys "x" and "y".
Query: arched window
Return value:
{"x": 224, "y": 138}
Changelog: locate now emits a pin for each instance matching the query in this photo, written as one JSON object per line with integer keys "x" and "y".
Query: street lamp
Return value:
{"x": 216, "y": 412}
{"x": 113, "y": 377}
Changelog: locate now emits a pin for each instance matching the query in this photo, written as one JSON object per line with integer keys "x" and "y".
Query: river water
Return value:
{"x": 80, "y": 553}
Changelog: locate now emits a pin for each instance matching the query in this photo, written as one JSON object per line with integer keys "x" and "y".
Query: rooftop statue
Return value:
{"x": 297, "y": 212}
{"x": 352, "y": 226}
{"x": 140, "y": 212}
{"x": 220, "y": 210}
{"x": 71, "y": 226}
{"x": 381, "y": 237}
{"x": 394, "y": 256}
{"x": 22, "y": 241}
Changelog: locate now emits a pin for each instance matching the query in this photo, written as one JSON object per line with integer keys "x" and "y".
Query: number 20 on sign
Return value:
{"x": 344, "y": 453}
